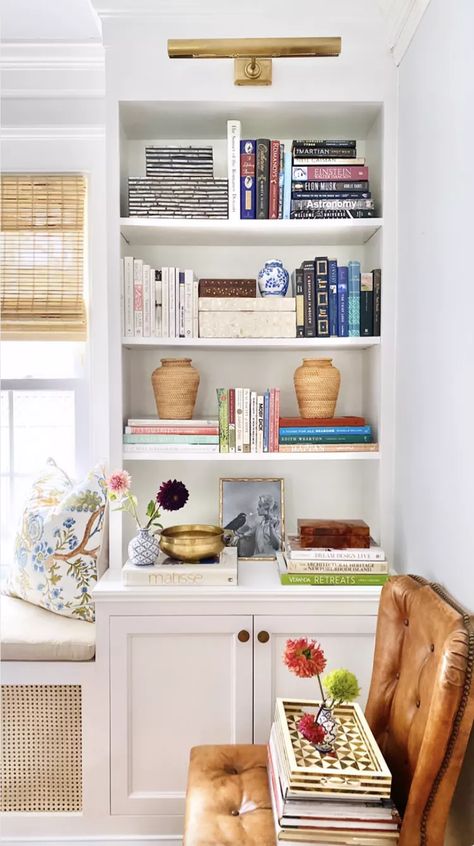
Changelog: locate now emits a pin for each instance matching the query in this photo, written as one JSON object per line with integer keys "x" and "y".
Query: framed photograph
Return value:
{"x": 254, "y": 509}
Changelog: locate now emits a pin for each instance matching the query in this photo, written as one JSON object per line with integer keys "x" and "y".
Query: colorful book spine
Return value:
{"x": 232, "y": 444}
{"x": 128, "y": 296}
{"x": 353, "y": 298}
{"x": 319, "y": 185}
{"x": 377, "y": 286}
{"x": 274, "y": 180}
{"x": 266, "y": 428}
{"x": 331, "y": 214}
{"x": 147, "y": 449}
{"x": 287, "y": 186}
{"x": 138, "y": 298}
{"x": 271, "y": 422}
{"x": 375, "y": 568}
{"x": 309, "y": 300}
{"x": 223, "y": 412}
{"x": 342, "y": 304}
{"x": 329, "y": 447}
{"x": 366, "y": 304}
{"x": 334, "y": 579}
{"x": 180, "y": 295}
{"x": 260, "y": 422}
{"x": 155, "y": 421}
{"x": 253, "y": 421}
{"x": 299, "y": 295}
{"x": 262, "y": 171}
{"x": 332, "y": 289}
{"x": 325, "y": 439}
{"x": 171, "y": 430}
{"x": 233, "y": 168}
{"x": 275, "y": 420}
{"x": 332, "y": 172}
{"x": 281, "y": 181}
{"x": 331, "y": 195}
{"x": 287, "y": 431}
{"x": 247, "y": 180}
{"x": 239, "y": 419}
{"x": 297, "y": 422}
{"x": 322, "y": 297}
{"x": 246, "y": 435}
{"x": 309, "y": 204}
{"x": 325, "y": 152}
{"x": 171, "y": 439}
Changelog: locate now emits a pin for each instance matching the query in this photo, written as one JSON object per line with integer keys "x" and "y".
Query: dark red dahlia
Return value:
{"x": 172, "y": 495}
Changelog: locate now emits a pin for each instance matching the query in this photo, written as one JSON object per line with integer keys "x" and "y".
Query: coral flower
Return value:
{"x": 304, "y": 657}
{"x": 172, "y": 495}
{"x": 310, "y": 730}
{"x": 119, "y": 482}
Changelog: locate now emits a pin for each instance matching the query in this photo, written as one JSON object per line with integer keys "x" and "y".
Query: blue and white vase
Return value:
{"x": 143, "y": 549}
{"x": 273, "y": 279}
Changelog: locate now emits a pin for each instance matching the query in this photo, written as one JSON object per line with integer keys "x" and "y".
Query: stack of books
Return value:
{"x": 341, "y": 798}
{"x": 325, "y": 434}
{"x": 259, "y": 173}
{"x": 161, "y": 436}
{"x": 161, "y": 303}
{"x": 329, "y": 180}
{"x": 248, "y": 421}
{"x": 220, "y": 571}
{"x": 334, "y": 300}
{"x": 179, "y": 182}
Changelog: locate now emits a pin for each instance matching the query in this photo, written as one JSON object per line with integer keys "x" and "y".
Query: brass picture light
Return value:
{"x": 253, "y": 56}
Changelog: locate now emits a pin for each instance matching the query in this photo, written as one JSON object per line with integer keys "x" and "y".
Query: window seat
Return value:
{"x": 31, "y": 633}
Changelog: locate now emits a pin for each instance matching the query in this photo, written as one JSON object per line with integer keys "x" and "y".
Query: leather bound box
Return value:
{"x": 227, "y": 288}
{"x": 335, "y": 534}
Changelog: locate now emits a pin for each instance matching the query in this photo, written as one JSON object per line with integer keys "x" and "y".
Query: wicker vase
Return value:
{"x": 317, "y": 386}
{"x": 175, "y": 385}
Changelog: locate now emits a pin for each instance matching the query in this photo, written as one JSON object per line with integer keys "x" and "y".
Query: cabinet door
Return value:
{"x": 176, "y": 682}
{"x": 346, "y": 641}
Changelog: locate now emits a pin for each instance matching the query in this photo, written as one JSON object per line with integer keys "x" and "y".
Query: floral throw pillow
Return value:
{"x": 58, "y": 543}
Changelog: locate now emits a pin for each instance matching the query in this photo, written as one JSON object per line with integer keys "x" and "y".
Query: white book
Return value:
{"x": 157, "y": 421}
{"x": 168, "y": 572}
{"x": 133, "y": 449}
{"x": 253, "y": 421}
{"x": 158, "y": 288}
{"x": 260, "y": 422}
{"x": 128, "y": 274}
{"x": 188, "y": 303}
{"x": 246, "y": 420}
{"x": 158, "y": 322}
{"x": 138, "y": 298}
{"x": 195, "y": 308}
{"x": 146, "y": 301}
{"x": 152, "y": 303}
{"x": 172, "y": 303}
{"x": 180, "y": 274}
{"x": 122, "y": 297}
{"x": 233, "y": 168}
{"x": 239, "y": 419}
{"x": 165, "y": 316}
{"x": 341, "y": 567}
{"x": 293, "y": 552}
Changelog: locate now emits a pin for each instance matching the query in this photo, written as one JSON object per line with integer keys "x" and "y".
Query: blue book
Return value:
{"x": 325, "y": 430}
{"x": 353, "y": 289}
{"x": 266, "y": 420}
{"x": 247, "y": 180}
{"x": 342, "y": 302}
{"x": 287, "y": 186}
{"x": 332, "y": 284}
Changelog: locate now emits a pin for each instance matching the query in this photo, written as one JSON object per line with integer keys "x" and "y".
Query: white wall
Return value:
{"x": 434, "y": 490}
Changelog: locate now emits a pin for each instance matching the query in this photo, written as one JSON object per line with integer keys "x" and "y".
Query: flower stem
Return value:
{"x": 320, "y": 687}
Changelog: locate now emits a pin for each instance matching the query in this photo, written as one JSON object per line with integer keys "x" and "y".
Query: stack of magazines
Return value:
{"x": 338, "y": 798}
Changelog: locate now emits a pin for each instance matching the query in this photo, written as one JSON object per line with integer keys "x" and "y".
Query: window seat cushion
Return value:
{"x": 31, "y": 633}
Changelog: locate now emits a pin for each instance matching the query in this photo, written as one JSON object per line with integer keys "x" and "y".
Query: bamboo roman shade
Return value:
{"x": 42, "y": 256}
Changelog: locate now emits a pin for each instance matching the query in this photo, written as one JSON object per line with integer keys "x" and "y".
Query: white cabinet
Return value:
{"x": 176, "y": 682}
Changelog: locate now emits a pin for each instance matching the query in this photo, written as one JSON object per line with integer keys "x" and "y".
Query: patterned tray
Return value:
{"x": 356, "y": 766}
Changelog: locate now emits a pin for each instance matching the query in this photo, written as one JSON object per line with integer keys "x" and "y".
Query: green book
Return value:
{"x": 171, "y": 439}
{"x": 223, "y": 413}
{"x": 333, "y": 579}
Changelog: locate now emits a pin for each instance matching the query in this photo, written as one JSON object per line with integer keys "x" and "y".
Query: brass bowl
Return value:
{"x": 193, "y": 542}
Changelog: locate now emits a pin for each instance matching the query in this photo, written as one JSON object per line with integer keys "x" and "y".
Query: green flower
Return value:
{"x": 341, "y": 685}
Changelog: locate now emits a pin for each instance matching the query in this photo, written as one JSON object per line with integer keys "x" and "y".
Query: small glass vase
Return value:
{"x": 143, "y": 549}
{"x": 326, "y": 719}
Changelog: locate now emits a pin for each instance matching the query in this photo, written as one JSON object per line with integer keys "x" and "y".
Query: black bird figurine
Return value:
{"x": 237, "y": 522}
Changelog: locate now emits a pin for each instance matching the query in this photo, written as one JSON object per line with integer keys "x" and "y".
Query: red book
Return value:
{"x": 274, "y": 180}
{"x": 276, "y": 417}
{"x": 271, "y": 419}
{"x": 321, "y": 421}
{"x": 231, "y": 405}
{"x": 346, "y": 172}
{"x": 171, "y": 430}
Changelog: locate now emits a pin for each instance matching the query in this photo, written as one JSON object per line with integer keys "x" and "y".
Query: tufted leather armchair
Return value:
{"x": 421, "y": 704}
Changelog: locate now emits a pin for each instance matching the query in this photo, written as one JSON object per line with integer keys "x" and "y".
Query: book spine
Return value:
{"x": 332, "y": 214}
{"x": 287, "y": 186}
{"x": 325, "y": 152}
{"x": 129, "y": 296}
{"x": 277, "y": 419}
{"x": 322, "y": 297}
{"x": 271, "y": 422}
{"x": 308, "y": 204}
{"x": 231, "y": 419}
{"x": 172, "y": 303}
{"x": 146, "y": 301}
{"x": 353, "y": 298}
{"x": 233, "y": 168}
{"x": 309, "y": 304}
{"x": 171, "y": 439}
{"x": 322, "y": 161}
{"x": 153, "y": 303}
{"x": 325, "y": 439}
{"x": 331, "y": 195}
{"x": 333, "y": 579}
{"x": 253, "y": 421}
{"x": 247, "y": 180}
{"x": 339, "y": 148}
{"x": 324, "y": 430}
{"x": 332, "y": 288}
{"x": 338, "y": 556}
{"x": 292, "y": 422}
{"x": 165, "y": 298}
{"x": 145, "y": 449}
{"x": 246, "y": 420}
{"x": 329, "y": 447}
{"x": 122, "y": 297}
{"x": 274, "y": 180}
{"x": 337, "y": 142}
{"x": 188, "y": 303}
{"x": 326, "y": 172}
{"x": 171, "y": 430}
{"x": 281, "y": 181}
{"x": 180, "y": 289}
{"x": 342, "y": 315}
{"x": 262, "y": 173}
{"x": 239, "y": 419}
{"x": 138, "y": 297}
{"x": 266, "y": 420}
{"x": 223, "y": 411}
{"x": 260, "y": 422}
{"x": 366, "y": 304}
{"x": 319, "y": 185}
{"x": 299, "y": 294}
{"x": 377, "y": 287}
{"x": 174, "y": 578}
{"x": 374, "y": 568}
{"x": 195, "y": 308}
{"x": 156, "y": 422}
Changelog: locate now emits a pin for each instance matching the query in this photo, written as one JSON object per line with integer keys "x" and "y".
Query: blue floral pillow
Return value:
{"x": 58, "y": 543}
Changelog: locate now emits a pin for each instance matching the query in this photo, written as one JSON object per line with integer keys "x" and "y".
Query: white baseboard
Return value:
{"x": 102, "y": 840}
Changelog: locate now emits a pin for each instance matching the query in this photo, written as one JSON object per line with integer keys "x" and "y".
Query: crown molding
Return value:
{"x": 37, "y": 133}
{"x": 403, "y": 18}
{"x": 52, "y": 70}
{"x": 42, "y": 55}
{"x": 106, "y": 9}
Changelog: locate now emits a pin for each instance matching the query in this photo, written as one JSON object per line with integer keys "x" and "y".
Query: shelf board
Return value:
{"x": 252, "y": 343}
{"x": 266, "y": 456}
{"x": 242, "y": 233}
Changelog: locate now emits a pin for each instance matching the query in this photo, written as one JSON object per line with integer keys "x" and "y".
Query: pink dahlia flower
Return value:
{"x": 304, "y": 657}
{"x": 310, "y": 730}
{"x": 119, "y": 482}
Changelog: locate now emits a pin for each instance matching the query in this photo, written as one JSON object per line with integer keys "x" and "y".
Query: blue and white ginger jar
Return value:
{"x": 273, "y": 279}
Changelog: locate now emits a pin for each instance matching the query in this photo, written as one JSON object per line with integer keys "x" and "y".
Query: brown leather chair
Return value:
{"x": 420, "y": 708}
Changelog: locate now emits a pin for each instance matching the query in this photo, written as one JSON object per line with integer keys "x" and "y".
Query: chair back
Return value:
{"x": 421, "y": 703}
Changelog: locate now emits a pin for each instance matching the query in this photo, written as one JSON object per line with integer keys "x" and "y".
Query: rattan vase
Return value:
{"x": 317, "y": 384}
{"x": 175, "y": 385}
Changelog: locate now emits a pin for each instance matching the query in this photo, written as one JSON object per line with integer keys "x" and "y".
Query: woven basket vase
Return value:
{"x": 175, "y": 385}
{"x": 317, "y": 386}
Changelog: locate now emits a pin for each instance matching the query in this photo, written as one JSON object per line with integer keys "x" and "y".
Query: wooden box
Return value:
{"x": 335, "y": 534}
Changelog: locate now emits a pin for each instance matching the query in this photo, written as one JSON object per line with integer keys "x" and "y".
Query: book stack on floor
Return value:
{"x": 329, "y": 180}
{"x": 332, "y": 552}
{"x": 220, "y": 571}
{"x": 248, "y": 421}
{"x": 335, "y": 300}
{"x": 179, "y": 182}
{"x": 160, "y": 436}
{"x": 161, "y": 303}
{"x": 342, "y": 798}
{"x": 325, "y": 434}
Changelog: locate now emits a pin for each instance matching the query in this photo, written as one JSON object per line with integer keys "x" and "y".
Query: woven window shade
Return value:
{"x": 42, "y": 256}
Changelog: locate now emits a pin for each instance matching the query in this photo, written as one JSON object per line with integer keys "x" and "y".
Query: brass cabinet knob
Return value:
{"x": 263, "y": 637}
{"x": 243, "y": 636}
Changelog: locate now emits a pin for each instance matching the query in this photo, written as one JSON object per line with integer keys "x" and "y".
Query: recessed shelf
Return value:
{"x": 298, "y": 344}
{"x": 248, "y": 456}
{"x": 243, "y": 233}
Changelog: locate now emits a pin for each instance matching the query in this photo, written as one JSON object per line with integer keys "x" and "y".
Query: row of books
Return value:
{"x": 158, "y": 303}
{"x": 145, "y": 435}
{"x": 248, "y": 421}
{"x": 335, "y": 300}
{"x": 312, "y": 801}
